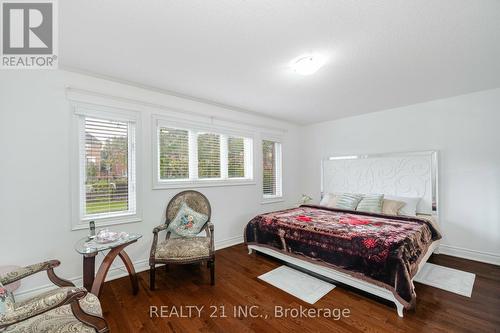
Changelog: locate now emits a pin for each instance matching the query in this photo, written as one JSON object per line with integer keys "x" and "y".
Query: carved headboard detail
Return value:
{"x": 412, "y": 174}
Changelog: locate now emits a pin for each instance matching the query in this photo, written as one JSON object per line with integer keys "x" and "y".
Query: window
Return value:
{"x": 236, "y": 157}
{"x": 209, "y": 155}
{"x": 107, "y": 168}
{"x": 271, "y": 169}
{"x": 188, "y": 155}
{"x": 174, "y": 153}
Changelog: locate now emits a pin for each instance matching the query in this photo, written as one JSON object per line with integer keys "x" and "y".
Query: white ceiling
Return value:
{"x": 382, "y": 53}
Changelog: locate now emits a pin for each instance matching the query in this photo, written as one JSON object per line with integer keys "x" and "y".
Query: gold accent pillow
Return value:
{"x": 392, "y": 207}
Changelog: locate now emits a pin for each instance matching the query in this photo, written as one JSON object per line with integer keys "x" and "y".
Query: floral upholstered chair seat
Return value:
{"x": 183, "y": 248}
{"x": 61, "y": 310}
{"x": 58, "y": 320}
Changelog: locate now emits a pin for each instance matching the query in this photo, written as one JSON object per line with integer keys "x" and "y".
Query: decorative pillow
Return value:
{"x": 329, "y": 200}
{"x": 371, "y": 203}
{"x": 348, "y": 201}
{"x": 187, "y": 222}
{"x": 410, "y": 207}
{"x": 6, "y": 300}
{"x": 392, "y": 207}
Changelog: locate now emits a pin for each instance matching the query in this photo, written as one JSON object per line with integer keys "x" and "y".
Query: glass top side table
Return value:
{"x": 89, "y": 250}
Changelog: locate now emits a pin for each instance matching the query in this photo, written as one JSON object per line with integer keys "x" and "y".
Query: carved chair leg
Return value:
{"x": 152, "y": 277}
{"x": 212, "y": 271}
{"x": 100, "y": 324}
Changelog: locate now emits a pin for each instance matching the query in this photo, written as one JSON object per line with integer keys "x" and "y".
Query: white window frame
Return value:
{"x": 278, "y": 197}
{"x": 193, "y": 128}
{"x": 79, "y": 219}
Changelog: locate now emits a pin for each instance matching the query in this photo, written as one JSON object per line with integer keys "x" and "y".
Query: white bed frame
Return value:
{"x": 342, "y": 277}
{"x": 400, "y": 174}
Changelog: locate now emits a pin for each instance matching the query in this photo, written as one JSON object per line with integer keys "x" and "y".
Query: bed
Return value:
{"x": 377, "y": 253}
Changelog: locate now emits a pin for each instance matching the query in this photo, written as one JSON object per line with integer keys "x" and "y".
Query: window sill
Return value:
{"x": 104, "y": 222}
{"x": 266, "y": 201}
{"x": 202, "y": 183}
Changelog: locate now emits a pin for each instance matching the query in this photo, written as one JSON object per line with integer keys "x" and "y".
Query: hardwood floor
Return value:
{"x": 237, "y": 287}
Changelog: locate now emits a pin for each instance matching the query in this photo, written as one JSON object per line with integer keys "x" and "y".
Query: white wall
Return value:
{"x": 465, "y": 130}
{"x": 35, "y": 202}
{"x": 35, "y": 167}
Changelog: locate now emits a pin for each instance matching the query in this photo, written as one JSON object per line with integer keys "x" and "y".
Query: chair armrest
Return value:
{"x": 23, "y": 272}
{"x": 159, "y": 228}
{"x": 156, "y": 230}
{"x": 41, "y": 304}
{"x": 209, "y": 229}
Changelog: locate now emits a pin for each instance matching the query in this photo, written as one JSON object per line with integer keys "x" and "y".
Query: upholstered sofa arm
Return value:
{"x": 41, "y": 303}
{"x": 23, "y": 272}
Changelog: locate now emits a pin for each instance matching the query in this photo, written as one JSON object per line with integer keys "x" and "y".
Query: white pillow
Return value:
{"x": 410, "y": 207}
{"x": 329, "y": 200}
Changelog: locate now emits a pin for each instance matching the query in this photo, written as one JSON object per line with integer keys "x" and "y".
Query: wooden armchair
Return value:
{"x": 184, "y": 250}
{"x": 64, "y": 309}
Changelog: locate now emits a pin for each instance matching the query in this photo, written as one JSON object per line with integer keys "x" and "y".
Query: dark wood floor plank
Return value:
{"x": 237, "y": 287}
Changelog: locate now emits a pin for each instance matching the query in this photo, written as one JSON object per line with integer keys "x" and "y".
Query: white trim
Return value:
{"x": 193, "y": 127}
{"x": 460, "y": 252}
{"x": 116, "y": 271}
{"x": 203, "y": 183}
{"x": 93, "y": 97}
{"x": 194, "y": 124}
{"x": 173, "y": 94}
{"x": 249, "y": 160}
{"x": 79, "y": 111}
{"x": 223, "y": 243}
{"x": 104, "y": 112}
{"x": 109, "y": 221}
{"x": 271, "y": 200}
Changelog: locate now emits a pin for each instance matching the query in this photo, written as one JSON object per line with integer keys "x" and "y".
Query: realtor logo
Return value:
{"x": 29, "y": 34}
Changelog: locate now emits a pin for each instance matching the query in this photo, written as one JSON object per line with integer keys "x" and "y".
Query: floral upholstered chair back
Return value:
{"x": 193, "y": 199}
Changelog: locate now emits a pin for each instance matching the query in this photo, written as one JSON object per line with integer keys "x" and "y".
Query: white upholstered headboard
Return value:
{"x": 412, "y": 174}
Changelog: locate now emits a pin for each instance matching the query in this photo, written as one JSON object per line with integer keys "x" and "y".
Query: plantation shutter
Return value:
{"x": 107, "y": 181}
{"x": 271, "y": 157}
{"x": 174, "y": 153}
{"x": 236, "y": 157}
{"x": 209, "y": 155}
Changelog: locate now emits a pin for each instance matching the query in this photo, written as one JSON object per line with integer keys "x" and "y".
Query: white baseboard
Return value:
{"x": 455, "y": 251}
{"x": 228, "y": 242}
{"x": 117, "y": 271}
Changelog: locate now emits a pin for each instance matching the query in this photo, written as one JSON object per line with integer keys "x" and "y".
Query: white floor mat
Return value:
{"x": 449, "y": 279}
{"x": 301, "y": 285}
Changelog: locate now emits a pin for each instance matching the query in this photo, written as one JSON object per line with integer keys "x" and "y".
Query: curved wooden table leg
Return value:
{"x": 104, "y": 268}
{"x": 131, "y": 271}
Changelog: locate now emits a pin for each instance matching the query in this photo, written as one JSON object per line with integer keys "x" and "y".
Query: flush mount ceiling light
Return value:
{"x": 308, "y": 64}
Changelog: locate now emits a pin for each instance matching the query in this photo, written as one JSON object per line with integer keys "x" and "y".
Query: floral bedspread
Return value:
{"x": 384, "y": 250}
